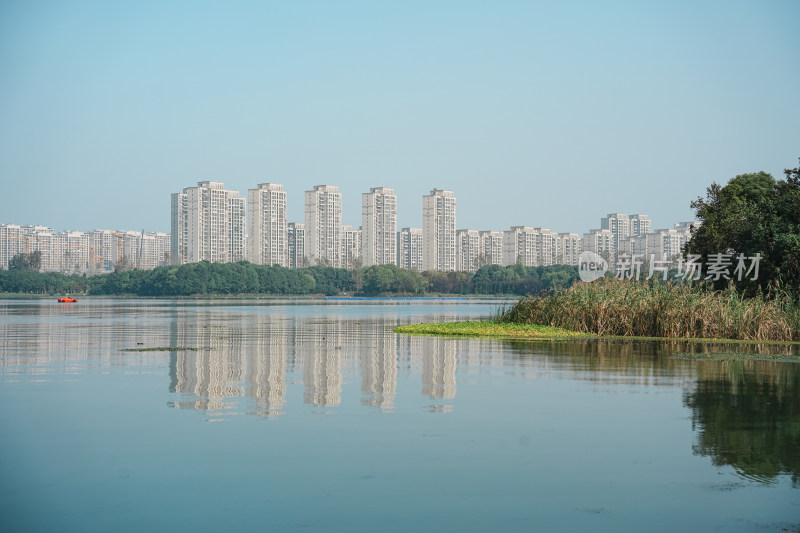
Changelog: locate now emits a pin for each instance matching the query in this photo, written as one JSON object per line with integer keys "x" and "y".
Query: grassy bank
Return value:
{"x": 623, "y": 308}
{"x": 490, "y": 329}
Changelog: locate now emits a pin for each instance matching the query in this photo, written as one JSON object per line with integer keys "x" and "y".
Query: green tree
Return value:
{"x": 26, "y": 261}
{"x": 34, "y": 260}
{"x": 753, "y": 214}
{"x": 17, "y": 262}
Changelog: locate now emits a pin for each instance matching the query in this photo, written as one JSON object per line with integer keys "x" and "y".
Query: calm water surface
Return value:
{"x": 316, "y": 416}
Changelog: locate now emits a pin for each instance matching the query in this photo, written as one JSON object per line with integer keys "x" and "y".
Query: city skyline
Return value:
{"x": 511, "y": 105}
{"x": 298, "y": 216}
{"x": 212, "y": 223}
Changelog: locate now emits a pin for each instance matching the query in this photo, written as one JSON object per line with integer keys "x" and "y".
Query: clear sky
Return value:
{"x": 535, "y": 113}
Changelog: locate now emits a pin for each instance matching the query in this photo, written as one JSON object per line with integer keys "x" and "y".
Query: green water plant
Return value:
{"x": 489, "y": 329}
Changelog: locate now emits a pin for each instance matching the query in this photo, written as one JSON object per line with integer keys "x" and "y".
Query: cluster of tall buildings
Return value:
{"x": 211, "y": 223}
{"x": 633, "y": 235}
{"x": 92, "y": 252}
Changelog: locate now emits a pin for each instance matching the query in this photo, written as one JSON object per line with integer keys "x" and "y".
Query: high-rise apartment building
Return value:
{"x": 379, "y": 226}
{"x": 468, "y": 250}
{"x": 11, "y": 243}
{"x": 296, "y": 242}
{"x": 568, "y": 249}
{"x": 144, "y": 251}
{"x": 529, "y": 246}
{"x": 92, "y": 252}
{"x": 179, "y": 228}
{"x": 208, "y": 224}
{"x": 668, "y": 244}
{"x": 105, "y": 249}
{"x": 439, "y": 231}
{"x": 72, "y": 254}
{"x": 66, "y": 251}
{"x": 520, "y": 245}
{"x": 350, "y": 255}
{"x": 600, "y": 241}
{"x": 409, "y": 248}
{"x": 323, "y": 225}
{"x": 491, "y": 248}
{"x": 548, "y": 247}
{"x": 639, "y": 225}
{"x": 40, "y": 239}
{"x": 686, "y": 227}
{"x": 665, "y": 244}
{"x": 266, "y": 225}
{"x": 619, "y": 225}
{"x": 155, "y": 250}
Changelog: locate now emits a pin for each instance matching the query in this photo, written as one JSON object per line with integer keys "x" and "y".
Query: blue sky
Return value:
{"x": 543, "y": 114}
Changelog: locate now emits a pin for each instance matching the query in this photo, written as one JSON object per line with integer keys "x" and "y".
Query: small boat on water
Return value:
{"x": 67, "y": 300}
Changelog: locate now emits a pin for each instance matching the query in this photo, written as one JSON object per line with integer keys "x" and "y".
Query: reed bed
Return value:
{"x": 618, "y": 307}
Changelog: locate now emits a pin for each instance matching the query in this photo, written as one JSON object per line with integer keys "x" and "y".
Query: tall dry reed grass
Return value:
{"x": 618, "y": 307}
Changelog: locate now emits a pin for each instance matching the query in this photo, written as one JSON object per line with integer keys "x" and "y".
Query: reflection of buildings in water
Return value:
{"x": 214, "y": 372}
{"x": 242, "y": 357}
{"x": 266, "y": 369}
{"x": 322, "y": 365}
{"x": 439, "y": 368}
{"x": 36, "y": 334}
{"x": 379, "y": 369}
{"x": 474, "y": 355}
{"x": 409, "y": 354}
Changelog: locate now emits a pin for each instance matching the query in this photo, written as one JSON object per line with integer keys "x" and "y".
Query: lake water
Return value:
{"x": 309, "y": 415}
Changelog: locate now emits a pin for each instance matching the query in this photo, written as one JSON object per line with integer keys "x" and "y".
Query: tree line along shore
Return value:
{"x": 243, "y": 278}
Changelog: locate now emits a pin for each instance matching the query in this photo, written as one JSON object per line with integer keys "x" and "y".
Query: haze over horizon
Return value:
{"x": 533, "y": 114}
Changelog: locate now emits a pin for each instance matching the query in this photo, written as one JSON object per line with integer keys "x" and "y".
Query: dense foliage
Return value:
{"x": 29, "y": 282}
{"x": 753, "y": 214}
{"x": 26, "y": 261}
{"x": 245, "y": 278}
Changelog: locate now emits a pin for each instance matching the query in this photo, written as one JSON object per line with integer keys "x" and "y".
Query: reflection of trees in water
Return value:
{"x": 633, "y": 362}
{"x": 748, "y": 416}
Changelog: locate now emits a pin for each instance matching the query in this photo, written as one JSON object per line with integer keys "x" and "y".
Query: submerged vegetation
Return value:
{"x": 614, "y": 307}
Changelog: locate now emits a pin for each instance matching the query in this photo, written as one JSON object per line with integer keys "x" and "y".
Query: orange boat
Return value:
{"x": 67, "y": 300}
